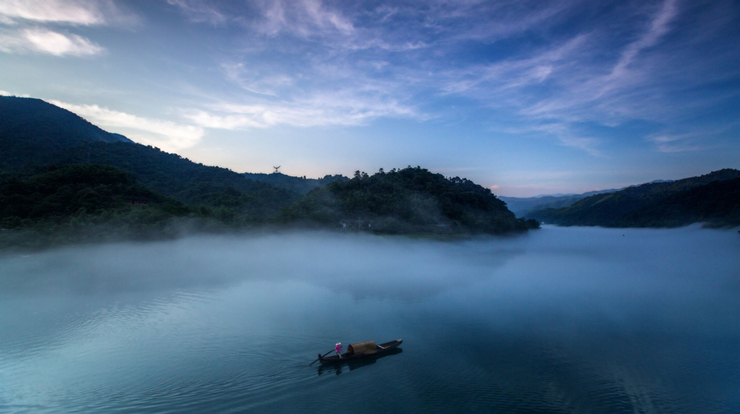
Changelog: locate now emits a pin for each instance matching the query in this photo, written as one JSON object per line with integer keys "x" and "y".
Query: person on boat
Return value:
{"x": 338, "y": 349}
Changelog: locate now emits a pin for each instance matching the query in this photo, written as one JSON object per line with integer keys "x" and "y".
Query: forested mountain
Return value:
{"x": 300, "y": 185}
{"x": 34, "y": 134}
{"x": 189, "y": 182}
{"x": 716, "y": 203}
{"x": 64, "y": 191}
{"x": 410, "y": 200}
{"x": 711, "y": 198}
{"x": 521, "y": 206}
{"x": 91, "y": 203}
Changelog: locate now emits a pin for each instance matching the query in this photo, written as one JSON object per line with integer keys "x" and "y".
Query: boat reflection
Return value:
{"x": 351, "y": 365}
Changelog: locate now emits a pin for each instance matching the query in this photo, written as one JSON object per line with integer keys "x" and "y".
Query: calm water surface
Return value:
{"x": 563, "y": 320}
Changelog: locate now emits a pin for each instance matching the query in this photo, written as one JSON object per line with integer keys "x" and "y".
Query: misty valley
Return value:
{"x": 558, "y": 320}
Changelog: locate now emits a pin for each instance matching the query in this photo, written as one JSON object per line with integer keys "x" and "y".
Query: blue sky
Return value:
{"x": 525, "y": 97}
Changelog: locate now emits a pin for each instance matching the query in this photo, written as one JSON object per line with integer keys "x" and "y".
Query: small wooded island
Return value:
{"x": 63, "y": 179}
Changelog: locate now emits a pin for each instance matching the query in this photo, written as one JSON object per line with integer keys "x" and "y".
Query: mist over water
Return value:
{"x": 559, "y": 320}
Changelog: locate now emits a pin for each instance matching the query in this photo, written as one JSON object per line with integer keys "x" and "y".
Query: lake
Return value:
{"x": 560, "y": 320}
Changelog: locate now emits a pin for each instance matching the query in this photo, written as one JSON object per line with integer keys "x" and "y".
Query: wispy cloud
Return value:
{"x": 582, "y": 79}
{"x": 700, "y": 138}
{"x": 6, "y": 93}
{"x": 397, "y": 35}
{"x": 674, "y": 143}
{"x": 562, "y": 132}
{"x": 200, "y": 11}
{"x": 69, "y": 12}
{"x": 658, "y": 28}
{"x": 322, "y": 92}
{"x": 256, "y": 81}
{"x": 319, "y": 110}
{"x": 167, "y": 135}
{"x": 513, "y": 74}
{"x": 32, "y": 25}
{"x": 78, "y": 12}
{"x": 303, "y": 18}
{"x": 47, "y": 41}
{"x": 615, "y": 62}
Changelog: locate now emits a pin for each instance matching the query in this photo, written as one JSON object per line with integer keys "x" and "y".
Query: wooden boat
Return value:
{"x": 361, "y": 350}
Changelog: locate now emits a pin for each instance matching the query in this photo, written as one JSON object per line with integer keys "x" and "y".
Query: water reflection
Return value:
{"x": 354, "y": 364}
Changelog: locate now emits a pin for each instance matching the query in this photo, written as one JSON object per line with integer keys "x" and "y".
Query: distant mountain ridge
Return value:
{"x": 300, "y": 185}
{"x": 521, "y": 206}
{"x": 712, "y": 198}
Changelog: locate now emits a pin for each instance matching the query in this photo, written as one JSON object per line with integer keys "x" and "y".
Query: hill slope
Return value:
{"x": 522, "y": 206}
{"x": 662, "y": 204}
{"x": 186, "y": 181}
{"x": 716, "y": 203}
{"x": 34, "y": 133}
{"x": 78, "y": 203}
{"x": 411, "y": 200}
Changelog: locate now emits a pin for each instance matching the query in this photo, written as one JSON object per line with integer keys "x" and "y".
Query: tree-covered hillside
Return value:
{"x": 34, "y": 133}
{"x": 189, "y": 182}
{"x": 716, "y": 204}
{"x": 300, "y": 185}
{"x": 522, "y": 206}
{"x": 663, "y": 204}
{"x": 410, "y": 200}
{"x": 74, "y": 202}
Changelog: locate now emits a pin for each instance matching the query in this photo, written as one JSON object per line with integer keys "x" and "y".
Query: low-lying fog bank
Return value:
{"x": 347, "y": 261}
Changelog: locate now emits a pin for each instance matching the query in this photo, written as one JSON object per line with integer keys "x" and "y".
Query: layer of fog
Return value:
{"x": 358, "y": 264}
{"x": 362, "y": 265}
{"x": 545, "y": 269}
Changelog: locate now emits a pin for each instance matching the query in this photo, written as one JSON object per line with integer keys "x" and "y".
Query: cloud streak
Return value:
{"x": 318, "y": 110}
{"x": 658, "y": 28}
{"x": 298, "y": 18}
{"x": 76, "y": 12}
{"x": 674, "y": 143}
{"x": 32, "y": 25}
{"x": 164, "y": 134}
{"x": 49, "y": 42}
{"x": 199, "y": 12}
{"x": 407, "y": 49}
{"x": 548, "y": 68}
{"x": 696, "y": 140}
{"x": 582, "y": 80}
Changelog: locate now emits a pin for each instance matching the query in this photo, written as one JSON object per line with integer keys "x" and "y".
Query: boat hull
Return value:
{"x": 346, "y": 357}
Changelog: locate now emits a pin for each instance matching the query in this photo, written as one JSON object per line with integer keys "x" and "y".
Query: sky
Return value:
{"x": 524, "y": 97}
